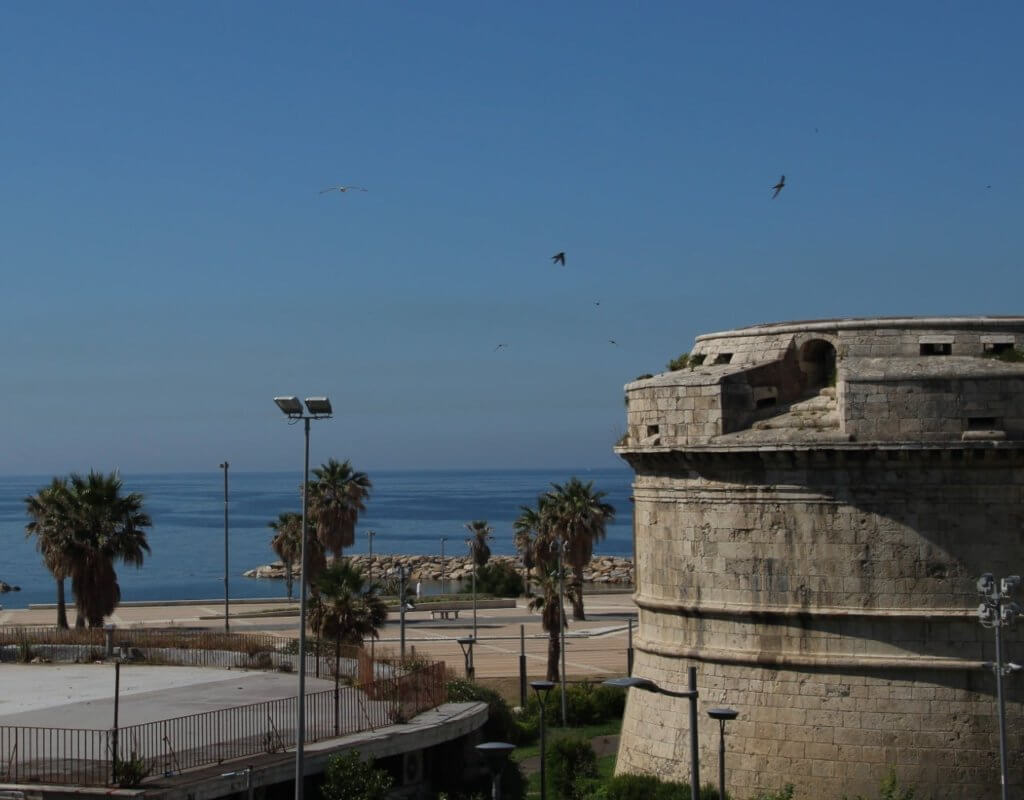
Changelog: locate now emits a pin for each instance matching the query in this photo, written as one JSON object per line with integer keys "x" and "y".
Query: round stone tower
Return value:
{"x": 814, "y": 503}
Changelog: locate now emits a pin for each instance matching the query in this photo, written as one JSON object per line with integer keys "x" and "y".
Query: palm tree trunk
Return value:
{"x": 62, "y": 609}
{"x": 554, "y": 652}
{"x": 577, "y": 595}
{"x": 288, "y": 577}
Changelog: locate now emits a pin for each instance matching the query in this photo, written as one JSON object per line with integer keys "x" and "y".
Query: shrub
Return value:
{"x": 497, "y": 578}
{"x": 786, "y": 793}
{"x": 890, "y": 790}
{"x": 648, "y": 787}
{"x": 349, "y": 778}
{"x": 572, "y": 761}
{"x": 501, "y": 725}
{"x": 130, "y": 771}
{"x": 585, "y": 704}
{"x": 679, "y": 362}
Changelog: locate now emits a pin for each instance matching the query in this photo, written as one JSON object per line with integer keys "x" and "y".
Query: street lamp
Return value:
{"x": 227, "y": 624}
{"x": 723, "y": 715}
{"x": 543, "y": 689}
{"x": 247, "y": 772}
{"x": 497, "y": 754}
{"x": 443, "y": 540}
{"x": 317, "y": 408}
{"x": 369, "y": 538}
{"x": 466, "y": 643}
{"x": 472, "y": 558}
{"x": 690, "y": 694}
{"x": 997, "y": 610}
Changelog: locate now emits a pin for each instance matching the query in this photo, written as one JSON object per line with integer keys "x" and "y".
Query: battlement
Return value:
{"x": 900, "y": 379}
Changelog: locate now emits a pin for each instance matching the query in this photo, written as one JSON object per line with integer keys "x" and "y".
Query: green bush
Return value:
{"x": 497, "y": 578}
{"x": 889, "y": 790}
{"x": 646, "y": 787}
{"x": 585, "y": 704}
{"x": 786, "y": 793}
{"x": 349, "y": 778}
{"x": 680, "y": 362}
{"x": 572, "y": 762}
{"x": 501, "y": 725}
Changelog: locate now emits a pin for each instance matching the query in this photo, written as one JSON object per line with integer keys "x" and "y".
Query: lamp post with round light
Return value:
{"x": 723, "y": 715}
{"x": 543, "y": 689}
{"x": 443, "y": 540}
{"x": 317, "y": 408}
{"x": 497, "y": 754}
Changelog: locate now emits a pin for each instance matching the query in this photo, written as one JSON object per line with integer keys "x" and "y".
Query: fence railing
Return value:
{"x": 86, "y": 757}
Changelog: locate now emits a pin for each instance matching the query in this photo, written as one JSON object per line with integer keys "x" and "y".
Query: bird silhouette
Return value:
{"x": 499, "y": 347}
{"x": 597, "y": 302}
{"x": 343, "y": 189}
{"x": 778, "y": 187}
{"x": 612, "y": 341}
{"x": 559, "y": 258}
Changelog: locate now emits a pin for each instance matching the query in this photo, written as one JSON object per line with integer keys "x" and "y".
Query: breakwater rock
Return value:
{"x": 614, "y": 570}
{"x": 6, "y": 587}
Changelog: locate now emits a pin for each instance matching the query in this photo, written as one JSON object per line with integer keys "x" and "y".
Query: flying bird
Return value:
{"x": 559, "y": 258}
{"x": 496, "y": 349}
{"x": 612, "y": 341}
{"x": 343, "y": 189}
{"x": 597, "y": 302}
{"x": 778, "y": 187}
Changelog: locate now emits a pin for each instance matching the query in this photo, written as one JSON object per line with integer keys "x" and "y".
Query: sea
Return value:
{"x": 409, "y": 511}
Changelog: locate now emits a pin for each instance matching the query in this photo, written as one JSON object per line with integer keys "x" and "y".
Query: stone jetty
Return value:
{"x": 613, "y": 570}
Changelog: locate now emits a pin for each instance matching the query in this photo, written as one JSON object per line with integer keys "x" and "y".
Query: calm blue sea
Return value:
{"x": 409, "y": 510}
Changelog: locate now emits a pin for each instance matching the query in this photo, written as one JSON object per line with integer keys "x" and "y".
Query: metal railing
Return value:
{"x": 85, "y": 757}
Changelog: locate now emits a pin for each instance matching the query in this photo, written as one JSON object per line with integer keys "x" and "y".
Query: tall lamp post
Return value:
{"x": 443, "y": 540}
{"x": 497, "y": 754}
{"x": 227, "y": 624}
{"x": 690, "y": 694}
{"x": 543, "y": 689}
{"x": 723, "y": 715}
{"x": 317, "y": 408}
{"x": 997, "y": 610}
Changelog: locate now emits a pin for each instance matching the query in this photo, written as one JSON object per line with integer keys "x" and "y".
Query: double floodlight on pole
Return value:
{"x": 998, "y": 610}
{"x": 690, "y": 694}
{"x": 316, "y": 408}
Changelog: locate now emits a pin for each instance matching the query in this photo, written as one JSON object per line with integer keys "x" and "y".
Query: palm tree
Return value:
{"x": 579, "y": 516}
{"x": 287, "y": 543}
{"x": 108, "y": 526}
{"x": 336, "y": 498}
{"x": 538, "y": 545}
{"x": 51, "y": 525}
{"x": 350, "y": 610}
{"x": 478, "y": 546}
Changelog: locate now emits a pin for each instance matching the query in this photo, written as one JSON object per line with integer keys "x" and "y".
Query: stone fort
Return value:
{"x": 814, "y": 503}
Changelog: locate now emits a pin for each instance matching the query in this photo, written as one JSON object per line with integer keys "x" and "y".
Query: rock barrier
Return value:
{"x": 613, "y": 570}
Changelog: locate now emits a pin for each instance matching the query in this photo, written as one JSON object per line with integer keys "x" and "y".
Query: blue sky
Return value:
{"x": 168, "y": 264}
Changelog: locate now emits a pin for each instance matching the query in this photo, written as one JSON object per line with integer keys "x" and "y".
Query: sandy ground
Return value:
{"x": 595, "y": 647}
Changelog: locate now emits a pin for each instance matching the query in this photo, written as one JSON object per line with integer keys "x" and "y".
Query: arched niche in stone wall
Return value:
{"x": 817, "y": 360}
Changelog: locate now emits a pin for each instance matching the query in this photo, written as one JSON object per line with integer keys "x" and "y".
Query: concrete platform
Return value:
{"x": 82, "y": 695}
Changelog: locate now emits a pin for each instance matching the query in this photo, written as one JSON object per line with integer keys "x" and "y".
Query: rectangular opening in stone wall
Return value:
{"x": 995, "y": 348}
{"x": 767, "y": 402}
{"x": 983, "y": 424}
{"x": 723, "y": 358}
{"x": 936, "y": 348}
{"x": 653, "y": 430}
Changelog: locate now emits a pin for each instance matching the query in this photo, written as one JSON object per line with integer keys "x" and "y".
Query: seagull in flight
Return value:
{"x": 597, "y": 302}
{"x": 612, "y": 341}
{"x": 499, "y": 347}
{"x": 559, "y": 258}
{"x": 779, "y": 186}
{"x": 343, "y": 189}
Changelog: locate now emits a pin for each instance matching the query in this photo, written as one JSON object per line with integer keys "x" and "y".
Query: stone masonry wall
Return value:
{"x": 829, "y": 597}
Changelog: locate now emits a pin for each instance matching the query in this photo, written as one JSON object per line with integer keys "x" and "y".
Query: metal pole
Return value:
{"x": 117, "y": 702}
{"x": 300, "y": 738}
{"x": 474, "y": 599}
{"x": 496, "y": 785}
{"x": 522, "y": 666}
{"x": 248, "y": 784}
{"x": 543, "y": 782}
{"x": 373, "y": 639}
{"x": 629, "y": 649}
{"x": 1002, "y": 709}
{"x": 443, "y": 540}
{"x": 227, "y": 609}
{"x": 561, "y": 617}
{"x": 401, "y": 608}
{"x": 694, "y": 750}
{"x": 369, "y": 536}
{"x": 721, "y": 759}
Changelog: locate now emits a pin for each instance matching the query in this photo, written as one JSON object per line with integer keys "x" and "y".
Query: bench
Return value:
{"x": 444, "y": 613}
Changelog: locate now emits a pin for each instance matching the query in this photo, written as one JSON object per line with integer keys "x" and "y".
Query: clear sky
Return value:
{"x": 168, "y": 264}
